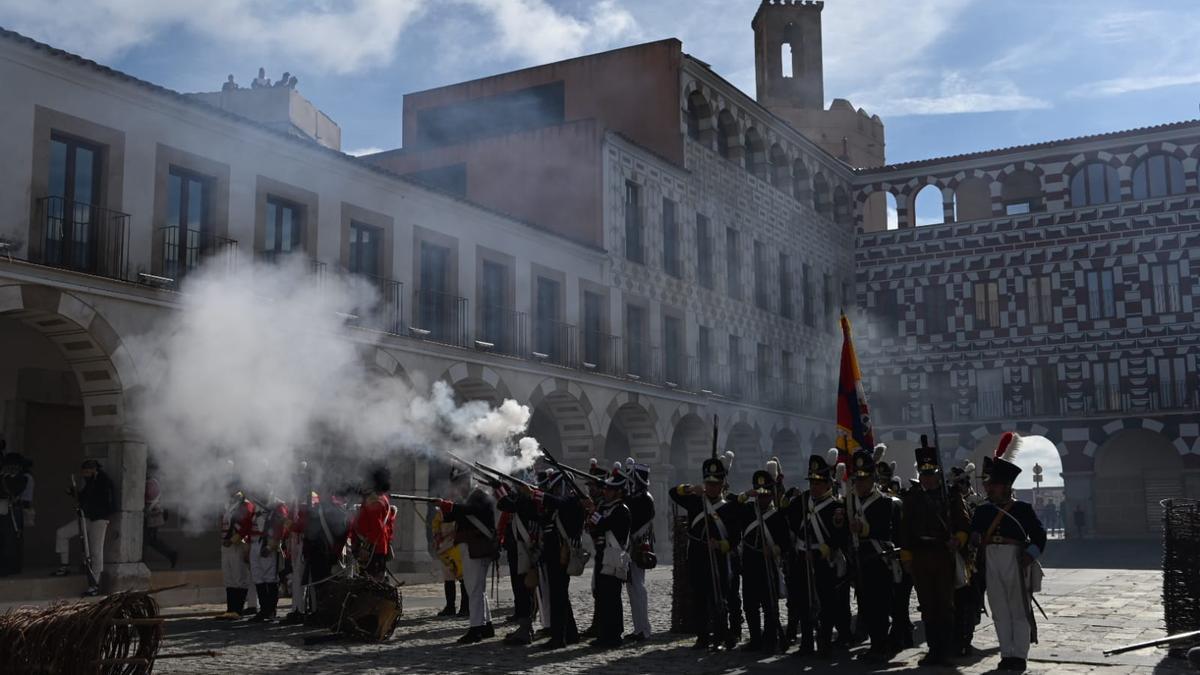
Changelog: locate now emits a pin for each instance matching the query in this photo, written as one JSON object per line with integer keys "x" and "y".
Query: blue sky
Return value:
{"x": 947, "y": 76}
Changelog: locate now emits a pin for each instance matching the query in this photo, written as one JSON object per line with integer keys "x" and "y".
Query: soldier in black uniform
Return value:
{"x": 817, "y": 519}
{"x": 874, "y": 522}
{"x": 967, "y": 598}
{"x": 641, "y": 547}
{"x": 934, "y": 528}
{"x": 562, "y": 526}
{"x": 764, "y": 538}
{"x": 609, "y": 525}
{"x": 712, "y": 535}
{"x": 595, "y": 488}
{"x": 901, "y": 633}
{"x": 521, "y": 542}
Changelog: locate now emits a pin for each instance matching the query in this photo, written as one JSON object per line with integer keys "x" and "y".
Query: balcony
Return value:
{"x": 600, "y": 352}
{"x": 554, "y": 342}
{"x": 314, "y": 267}
{"x": 989, "y": 405}
{"x": 643, "y": 361}
{"x": 440, "y": 317}
{"x": 1171, "y": 395}
{"x": 182, "y": 252}
{"x": 504, "y": 329}
{"x": 83, "y": 237}
{"x": 386, "y": 313}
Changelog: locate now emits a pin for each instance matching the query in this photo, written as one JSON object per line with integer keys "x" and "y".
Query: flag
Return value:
{"x": 853, "y": 417}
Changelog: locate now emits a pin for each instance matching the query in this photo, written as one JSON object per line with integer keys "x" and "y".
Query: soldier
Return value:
{"x": 595, "y": 488}
{"x": 609, "y": 525}
{"x": 326, "y": 532}
{"x": 874, "y": 523}
{"x": 901, "y": 633}
{"x": 371, "y": 535}
{"x": 236, "y": 529}
{"x": 712, "y": 534}
{"x": 447, "y": 551}
{"x": 967, "y": 598}
{"x": 521, "y": 541}
{"x": 1012, "y": 538}
{"x": 934, "y": 528}
{"x": 562, "y": 526}
{"x": 266, "y": 538}
{"x": 641, "y": 547}
{"x": 12, "y": 486}
{"x": 300, "y": 510}
{"x": 817, "y": 519}
{"x": 474, "y": 532}
{"x": 764, "y": 538}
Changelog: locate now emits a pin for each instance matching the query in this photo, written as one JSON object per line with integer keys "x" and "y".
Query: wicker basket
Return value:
{"x": 1181, "y": 566}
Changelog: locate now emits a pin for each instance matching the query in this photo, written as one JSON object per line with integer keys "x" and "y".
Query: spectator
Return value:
{"x": 12, "y": 486}
{"x": 1063, "y": 516}
{"x": 98, "y": 501}
{"x": 1080, "y": 520}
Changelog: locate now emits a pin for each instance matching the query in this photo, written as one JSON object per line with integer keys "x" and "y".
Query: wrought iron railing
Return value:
{"x": 83, "y": 237}
{"x": 504, "y": 329}
{"x": 183, "y": 251}
{"x": 600, "y": 352}
{"x": 440, "y": 317}
{"x": 386, "y": 312}
{"x": 554, "y": 341}
{"x": 314, "y": 267}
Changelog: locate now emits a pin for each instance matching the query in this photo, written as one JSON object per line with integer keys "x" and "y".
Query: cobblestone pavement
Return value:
{"x": 1089, "y": 610}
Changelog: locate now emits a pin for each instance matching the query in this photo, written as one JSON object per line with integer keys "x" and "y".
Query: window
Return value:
{"x": 1101, "y": 296}
{"x": 806, "y": 279}
{"x": 1045, "y": 390}
{"x": 841, "y": 206}
{"x": 1172, "y": 382}
{"x": 635, "y": 343}
{"x": 987, "y": 304}
{"x": 1039, "y": 300}
{"x": 1022, "y": 193}
{"x": 785, "y": 286}
{"x": 761, "y": 297}
{"x": 705, "y": 355}
{"x": 1166, "y": 288}
{"x": 821, "y": 195}
{"x": 704, "y": 267}
{"x": 633, "y": 222}
{"x": 735, "y": 365}
{"x": 673, "y": 349}
{"x": 887, "y": 313}
{"x": 936, "y": 308}
{"x": 1095, "y": 183}
{"x": 1106, "y": 383}
{"x": 830, "y": 310}
{"x": 187, "y": 224}
{"x": 437, "y": 309}
{"x": 726, "y": 130}
{"x": 364, "y": 249}
{"x": 733, "y": 264}
{"x": 594, "y": 338}
{"x": 1158, "y": 176}
{"x": 549, "y": 337}
{"x": 285, "y": 228}
{"x": 762, "y": 370}
{"x": 494, "y": 311}
{"x": 73, "y": 196}
{"x": 990, "y": 393}
{"x": 670, "y": 240}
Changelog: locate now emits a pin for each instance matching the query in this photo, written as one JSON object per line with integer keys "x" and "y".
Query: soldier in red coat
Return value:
{"x": 372, "y": 530}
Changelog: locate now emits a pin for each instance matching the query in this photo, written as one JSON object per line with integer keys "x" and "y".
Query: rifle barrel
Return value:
{"x": 1153, "y": 643}
{"x": 415, "y": 498}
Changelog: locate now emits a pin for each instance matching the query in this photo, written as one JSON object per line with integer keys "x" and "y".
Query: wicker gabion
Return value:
{"x": 686, "y": 613}
{"x": 1181, "y": 565}
{"x": 359, "y": 608}
{"x": 119, "y": 635}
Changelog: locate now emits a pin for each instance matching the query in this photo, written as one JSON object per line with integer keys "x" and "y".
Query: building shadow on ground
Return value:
{"x": 1129, "y": 554}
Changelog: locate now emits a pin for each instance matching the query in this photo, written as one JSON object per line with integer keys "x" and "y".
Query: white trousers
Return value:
{"x": 639, "y": 607}
{"x": 298, "y": 565}
{"x": 263, "y": 570}
{"x": 235, "y": 571}
{"x": 475, "y": 574}
{"x": 1006, "y": 600}
{"x": 96, "y": 529}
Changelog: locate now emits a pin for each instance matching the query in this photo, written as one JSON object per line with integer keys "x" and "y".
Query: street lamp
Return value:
{"x": 1037, "y": 482}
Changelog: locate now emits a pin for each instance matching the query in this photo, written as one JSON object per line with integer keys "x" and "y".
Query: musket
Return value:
{"x": 713, "y": 564}
{"x": 1178, "y": 637}
{"x": 414, "y": 498}
{"x": 83, "y": 534}
{"x": 512, "y": 480}
{"x": 568, "y": 473}
{"x": 483, "y": 476}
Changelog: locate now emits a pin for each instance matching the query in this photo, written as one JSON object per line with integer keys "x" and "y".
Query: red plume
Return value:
{"x": 1009, "y": 444}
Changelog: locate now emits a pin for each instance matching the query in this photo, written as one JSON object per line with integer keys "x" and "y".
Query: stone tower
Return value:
{"x": 791, "y": 83}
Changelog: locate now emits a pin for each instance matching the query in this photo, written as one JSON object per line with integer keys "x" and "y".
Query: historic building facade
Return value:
{"x": 1057, "y": 298}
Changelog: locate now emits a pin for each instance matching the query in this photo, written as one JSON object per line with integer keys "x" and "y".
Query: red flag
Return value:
{"x": 853, "y": 418}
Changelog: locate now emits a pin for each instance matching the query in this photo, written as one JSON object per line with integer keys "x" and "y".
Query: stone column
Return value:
{"x": 410, "y": 538}
{"x": 122, "y": 452}
{"x": 660, "y": 483}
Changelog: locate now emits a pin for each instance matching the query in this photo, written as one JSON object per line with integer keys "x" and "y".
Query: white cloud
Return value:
{"x": 1126, "y": 85}
{"x": 533, "y": 30}
{"x": 956, "y": 93}
{"x": 315, "y": 35}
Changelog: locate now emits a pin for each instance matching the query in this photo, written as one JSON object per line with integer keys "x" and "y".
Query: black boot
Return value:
{"x": 264, "y": 602}
{"x": 464, "y": 607}
{"x": 756, "y": 635}
{"x": 473, "y": 635}
{"x": 449, "y": 588}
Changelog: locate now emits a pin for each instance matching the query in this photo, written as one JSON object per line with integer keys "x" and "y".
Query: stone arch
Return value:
{"x": 841, "y": 206}
{"x": 1174, "y": 175}
{"x": 781, "y": 170}
{"x": 821, "y": 199}
{"x": 801, "y": 183}
{"x": 699, "y": 114}
{"x": 744, "y": 440}
{"x": 387, "y": 364}
{"x": 562, "y": 418}
{"x": 928, "y": 205}
{"x": 755, "y": 153}
{"x": 728, "y": 143}
{"x": 787, "y": 447}
{"x": 1093, "y": 182}
{"x": 1134, "y": 469}
{"x": 973, "y": 199}
{"x": 91, "y": 347}
{"x": 1021, "y": 188}
{"x": 631, "y": 430}
{"x": 874, "y": 211}
{"x": 476, "y": 382}
{"x": 691, "y": 444}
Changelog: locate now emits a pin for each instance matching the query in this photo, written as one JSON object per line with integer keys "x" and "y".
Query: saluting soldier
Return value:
{"x": 475, "y": 534}
{"x": 712, "y": 534}
{"x": 1012, "y": 538}
{"x": 641, "y": 546}
{"x": 609, "y": 526}
{"x": 874, "y": 523}
{"x": 934, "y": 528}
{"x": 817, "y": 518}
{"x": 763, "y": 541}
